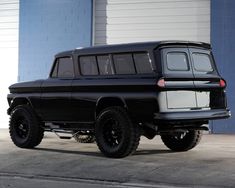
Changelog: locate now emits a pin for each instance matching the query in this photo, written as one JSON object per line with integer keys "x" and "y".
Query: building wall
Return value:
{"x": 48, "y": 27}
{"x": 126, "y": 21}
{"x": 9, "y": 23}
{"x": 223, "y": 44}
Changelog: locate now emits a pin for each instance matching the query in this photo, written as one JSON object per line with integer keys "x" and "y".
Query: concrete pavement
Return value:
{"x": 60, "y": 163}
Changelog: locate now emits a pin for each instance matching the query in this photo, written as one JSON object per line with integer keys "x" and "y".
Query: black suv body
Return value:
{"x": 120, "y": 92}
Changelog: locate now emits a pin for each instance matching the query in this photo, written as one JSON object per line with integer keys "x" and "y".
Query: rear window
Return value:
{"x": 124, "y": 64}
{"x": 202, "y": 62}
{"x": 177, "y": 61}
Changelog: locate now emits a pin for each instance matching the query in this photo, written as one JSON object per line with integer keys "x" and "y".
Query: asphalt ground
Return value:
{"x": 61, "y": 163}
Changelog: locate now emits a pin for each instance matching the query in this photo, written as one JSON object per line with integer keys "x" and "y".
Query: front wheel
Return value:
{"x": 25, "y": 128}
{"x": 182, "y": 141}
{"x": 116, "y": 135}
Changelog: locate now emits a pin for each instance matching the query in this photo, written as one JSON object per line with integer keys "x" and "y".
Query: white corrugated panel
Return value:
{"x": 123, "y": 21}
{"x": 9, "y": 29}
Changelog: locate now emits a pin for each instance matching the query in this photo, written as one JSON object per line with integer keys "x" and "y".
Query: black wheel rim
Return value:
{"x": 112, "y": 132}
{"x": 181, "y": 136}
{"x": 22, "y": 128}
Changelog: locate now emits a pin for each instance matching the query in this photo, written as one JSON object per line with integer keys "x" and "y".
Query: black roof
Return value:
{"x": 140, "y": 46}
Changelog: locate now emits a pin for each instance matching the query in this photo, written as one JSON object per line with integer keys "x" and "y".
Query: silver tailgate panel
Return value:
{"x": 181, "y": 99}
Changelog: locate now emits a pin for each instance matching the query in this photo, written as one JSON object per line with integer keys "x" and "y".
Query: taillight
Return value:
{"x": 161, "y": 83}
{"x": 222, "y": 83}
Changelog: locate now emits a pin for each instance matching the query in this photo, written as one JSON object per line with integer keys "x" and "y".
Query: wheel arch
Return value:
{"x": 18, "y": 101}
{"x": 105, "y": 102}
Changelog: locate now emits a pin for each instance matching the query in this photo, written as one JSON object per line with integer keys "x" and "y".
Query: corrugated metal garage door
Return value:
{"x": 122, "y": 21}
{"x": 9, "y": 21}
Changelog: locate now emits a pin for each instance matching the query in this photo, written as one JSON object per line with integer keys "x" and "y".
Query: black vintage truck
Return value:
{"x": 116, "y": 93}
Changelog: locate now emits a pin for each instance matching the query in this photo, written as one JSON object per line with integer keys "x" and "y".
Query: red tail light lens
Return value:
{"x": 161, "y": 83}
{"x": 222, "y": 83}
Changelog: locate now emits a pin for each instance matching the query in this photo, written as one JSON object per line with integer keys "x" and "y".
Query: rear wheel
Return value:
{"x": 116, "y": 135}
{"x": 25, "y": 128}
{"x": 182, "y": 141}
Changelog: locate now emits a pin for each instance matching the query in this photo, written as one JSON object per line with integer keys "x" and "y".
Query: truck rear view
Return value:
{"x": 191, "y": 92}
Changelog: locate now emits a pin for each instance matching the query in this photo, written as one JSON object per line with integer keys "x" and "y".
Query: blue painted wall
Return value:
{"x": 48, "y": 27}
{"x": 223, "y": 44}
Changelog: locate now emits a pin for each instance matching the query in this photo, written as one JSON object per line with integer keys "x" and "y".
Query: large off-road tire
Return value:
{"x": 116, "y": 135}
{"x": 182, "y": 142}
{"x": 83, "y": 138}
{"x": 25, "y": 128}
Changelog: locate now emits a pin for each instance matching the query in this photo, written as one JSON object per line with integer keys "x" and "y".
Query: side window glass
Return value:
{"x": 55, "y": 70}
{"x": 177, "y": 61}
{"x": 142, "y": 63}
{"x": 202, "y": 62}
{"x": 124, "y": 64}
{"x": 64, "y": 68}
{"x": 105, "y": 66}
{"x": 88, "y": 65}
